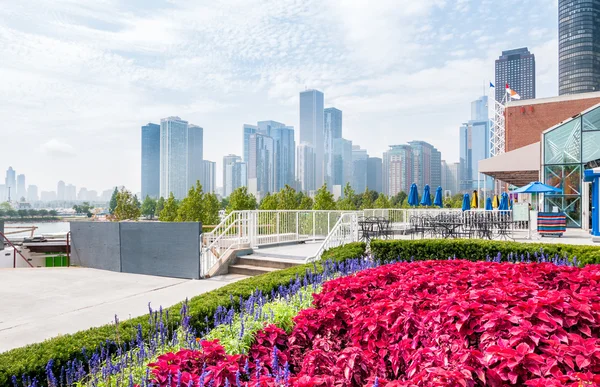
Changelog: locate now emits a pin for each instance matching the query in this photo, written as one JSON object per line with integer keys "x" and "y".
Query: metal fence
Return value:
{"x": 343, "y": 232}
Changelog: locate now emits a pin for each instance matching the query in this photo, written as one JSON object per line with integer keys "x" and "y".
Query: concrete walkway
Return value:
{"x": 38, "y": 304}
{"x": 296, "y": 252}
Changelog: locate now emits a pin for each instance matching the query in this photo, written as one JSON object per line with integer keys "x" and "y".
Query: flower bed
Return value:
{"x": 434, "y": 323}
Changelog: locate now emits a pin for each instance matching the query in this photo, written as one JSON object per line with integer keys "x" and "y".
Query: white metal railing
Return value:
{"x": 345, "y": 231}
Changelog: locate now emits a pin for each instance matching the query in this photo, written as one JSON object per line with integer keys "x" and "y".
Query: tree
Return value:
{"x": 241, "y": 200}
{"x": 53, "y": 213}
{"x": 269, "y": 202}
{"x": 191, "y": 207}
{"x": 347, "y": 202}
{"x": 22, "y": 213}
{"x": 305, "y": 202}
{"x": 5, "y": 206}
{"x": 382, "y": 202}
{"x": 43, "y": 213}
{"x": 160, "y": 204}
{"x": 136, "y": 201}
{"x": 224, "y": 203}
{"x": 126, "y": 208}
{"x": 398, "y": 199}
{"x": 149, "y": 207}
{"x": 2, "y": 213}
{"x": 33, "y": 213}
{"x": 286, "y": 199}
{"x": 366, "y": 200}
{"x": 324, "y": 199}
{"x": 113, "y": 202}
{"x": 169, "y": 211}
{"x": 84, "y": 208}
{"x": 211, "y": 210}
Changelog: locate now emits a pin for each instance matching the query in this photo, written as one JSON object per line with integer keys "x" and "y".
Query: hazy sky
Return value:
{"x": 79, "y": 77}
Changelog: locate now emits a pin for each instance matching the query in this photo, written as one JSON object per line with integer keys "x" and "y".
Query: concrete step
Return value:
{"x": 260, "y": 261}
{"x": 250, "y": 270}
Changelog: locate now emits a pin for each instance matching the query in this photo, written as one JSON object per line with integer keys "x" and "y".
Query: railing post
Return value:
{"x": 277, "y": 226}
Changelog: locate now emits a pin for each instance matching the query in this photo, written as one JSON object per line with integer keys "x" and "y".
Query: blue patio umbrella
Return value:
{"x": 503, "y": 202}
{"x": 426, "y": 199}
{"x": 488, "y": 204}
{"x": 413, "y": 195}
{"x": 537, "y": 187}
{"x": 466, "y": 203}
{"x": 438, "y": 200}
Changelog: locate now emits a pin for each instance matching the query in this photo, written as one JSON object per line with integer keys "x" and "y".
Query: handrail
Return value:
{"x": 338, "y": 226}
{"x": 15, "y": 251}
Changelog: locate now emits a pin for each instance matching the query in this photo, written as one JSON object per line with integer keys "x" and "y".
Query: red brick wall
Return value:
{"x": 525, "y": 124}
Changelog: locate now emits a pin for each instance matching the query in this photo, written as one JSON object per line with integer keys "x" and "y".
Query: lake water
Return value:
{"x": 43, "y": 227}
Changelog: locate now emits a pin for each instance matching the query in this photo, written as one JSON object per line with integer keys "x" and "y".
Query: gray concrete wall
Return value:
{"x": 164, "y": 249}
{"x": 96, "y": 245}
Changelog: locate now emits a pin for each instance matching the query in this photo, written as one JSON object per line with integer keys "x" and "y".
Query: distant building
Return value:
{"x": 83, "y": 194}
{"x": 578, "y": 46}
{"x": 332, "y": 131}
{"x": 48, "y": 196}
{"x": 397, "y": 169}
{"x": 10, "y": 183}
{"x": 70, "y": 193}
{"x": 209, "y": 173}
{"x": 359, "y": 169}
{"x": 374, "y": 171}
{"x": 305, "y": 167}
{"x": 517, "y": 69}
{"x": 474, "y": 145}
{"x": 21, "y": 190}
{"x": 343, "y": 164}
{"x": 247, "y": 131}
{"x": 196, "y": 157}
{"x": 284, "y": 157}
{"x": 32, "y": 194}
{"x": 261, "y": 171}
{"x": 450, "y": 177}
{"x": 106, "y": 195}
{"x": 266, "y": 127}
{"x": 174, "y": 157}
{"x": 92, "y": 196}
{"x": 228, "y": 173}
{"x": 60, "y": 191}
{"x": 427, "y": 164}
{"x": 311, "y": 129}
{"x": 151, "y": 160}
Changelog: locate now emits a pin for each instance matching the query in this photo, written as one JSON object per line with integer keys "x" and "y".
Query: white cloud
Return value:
{"x": 57, "y": 148}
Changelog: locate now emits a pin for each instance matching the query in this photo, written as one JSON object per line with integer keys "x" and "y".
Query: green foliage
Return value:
{"x": 169, "y": 211}
{"x": 191, "y": 208}
{"x": 212, "y": 206}
{"x": 286, "y": 199}
{"x": 475, "y": 249}
{"x": 241, "y": 200}
{"x": 43, "y": 213}
{"x": 32, "y": 359}
{"x": 127, "y": 208}
{"x": 382, "y": 202}
{"x": 269, "y": 202}
{"x": 149, "y": 207}
{"x": 5, "y": 206}
{"x": 306, "y": 203}
{"x": 33, "y": 213}
{"x": 399, "y": 200}
{"x": 224, "y": 203}
{"x": 22, "y": 213}
{"x": 324, "y": 199}
{"x": 347, "y": 203}
{"x": 160, "y": 204}
{"x": 367, "y": 200}
{"x": 53, "y": 213}
{"x": 112, "y": 206}
{"x": 136, "y": 201}
{"x": 84, "y": 208}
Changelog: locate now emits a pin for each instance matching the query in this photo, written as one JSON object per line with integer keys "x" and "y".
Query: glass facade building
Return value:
{"x": 261, "y": 169}
{"x": 359, "y": 169}
{"x": 342, "y": 162}
{"x": 427, "y": 164}
{"x": 306, "y": 167}
{"x": 229, "y": 181}
{"x": 173, "y": 157}
{"x": 397, "y": 169}
{"x": 566, "y": 148}
{"x": 474, "y": 145}
{"x": 517, "y": 69}
{"x": 284, "y": 158}
{"x": 578, "y": 46}
{"x": 332, "y": 131}
{"x": 248, "y": 130}
{"x": 374, "y": 170}
{"x": 311, "y": 129}
{"x": 150, "y": 161}
{"x": 195, "y": 158}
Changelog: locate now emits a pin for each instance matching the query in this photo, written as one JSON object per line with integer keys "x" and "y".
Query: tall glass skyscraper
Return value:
{"x": 311, "y": 129}
{"x": 173, "y": 157}
{"x": 248, "y": 130}
{"x": 196, "y": 156}
{"x": 266, "y": 127}
{"x": 229, "y": 162}
{"x": 332, "y": 131}
{"x": 10, "y": 183}
{"x": 209, "y": 175}
{"x": 150, "y": 161}
{"x": 517, "y": 69}
{"x": 427, "y": 164}
{"x": 397, "y": 169}
{"x": 21, "y": 188}
{"x": 305, "y": 165}
{"x": 474, "y": 145}
{"x": 261, "y": 169}
{"x": 359, "y": 169}
{"x": 578, "y": 46}
{"x": 374, "y": 170}
{"x": 284, "y": 158}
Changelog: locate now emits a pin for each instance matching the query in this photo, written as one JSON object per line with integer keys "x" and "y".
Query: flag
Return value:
{"x": 492, "y": 85}
{"x": 513, "y": 94}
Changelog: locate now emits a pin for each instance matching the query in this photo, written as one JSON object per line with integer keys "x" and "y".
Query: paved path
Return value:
{"x": 297, "y": 252}
{"x": 38, "y": 304}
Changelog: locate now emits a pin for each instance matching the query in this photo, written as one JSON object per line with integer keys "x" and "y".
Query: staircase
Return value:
{"x": 257, "y": 264}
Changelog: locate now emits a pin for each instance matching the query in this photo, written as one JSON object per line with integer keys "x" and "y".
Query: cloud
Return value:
{"x": 57, "y": 148}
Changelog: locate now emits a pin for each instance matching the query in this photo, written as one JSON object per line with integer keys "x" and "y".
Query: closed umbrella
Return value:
{"x": 475, "y": 200}
{"x": 426, "y": 199}
{"x": 503, "y": 202}
{"x": 488, "y": 204}
{"x": 496, "y": 202}
{"x": 413, "y": 195}
{"x": 438, "y": 201}
{"x": 466, "y": 203}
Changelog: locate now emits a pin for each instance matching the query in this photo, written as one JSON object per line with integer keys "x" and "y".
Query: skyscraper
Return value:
{"x": 359, "y": 169}
{"x": 450, "y": 177}
{"x": 150, "y": 161}
{"x": 285, "y": 156}
{"x": 332, "y": 130}
{"x": 374, "y": 170}
{"x": 247, "y": 131}
{"x": 578, "y": 46}
{"x": 70, "y": 193}
{"x": 173, "y": 157}
{"x": 517, "y": 69}
{"x": 32, "y": 194}
{"x": 305, "y": 164}
{"x": 10, "y": 183}
{"x": 474, "y": 145}
{"x": 60, "y": 191}
{"x": 209, "y": 173}
{"x": 343, "y": 164}
{"x": 397, "y": 169}
{"x": 21, "y": 190}
{"x": 195, "y": 167}
{"x": 311, "y": 129}
{"x": 427, "y": 164}
{"x": 261, "y": 165}
{"x": 228, "y": 173}
{"x": 266, "y": 127}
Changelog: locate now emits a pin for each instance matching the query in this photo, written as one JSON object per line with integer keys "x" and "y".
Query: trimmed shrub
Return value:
{"x": 31, "y": 360}
{"x": 476, "y": 250}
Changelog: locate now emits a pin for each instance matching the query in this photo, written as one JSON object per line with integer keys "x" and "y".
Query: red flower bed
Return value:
{"x": 434, "y": 323}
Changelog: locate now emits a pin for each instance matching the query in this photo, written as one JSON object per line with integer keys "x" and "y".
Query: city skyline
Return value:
{"x": 103, "y": 77}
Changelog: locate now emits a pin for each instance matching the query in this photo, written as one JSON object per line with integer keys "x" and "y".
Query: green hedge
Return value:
{"x": 32, "y": 359}
{"x": 475, "y": 249}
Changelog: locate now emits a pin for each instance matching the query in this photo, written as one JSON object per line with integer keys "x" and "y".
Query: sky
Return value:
{"x": 78, "y": 78}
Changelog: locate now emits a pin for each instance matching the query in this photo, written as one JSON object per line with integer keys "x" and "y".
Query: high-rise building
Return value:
{"x": 374, "y": 170}
{"x": 70, "y": 193}
{"x": 195, "y": 168}
{"x": 32, "y": 194}
{"x": 174, "y": 157}
{"x": 578, "y": 46}
{"x": 343, "y": 164}
{"x": 21, "y": 190}
{"x": 517, "y": 69}
{"x": 239, "y": 174}
{"x": 209, "y": 173}
{"x": 10, "y": 183}
{"x": 261, "y": 165}
{"x": 150, "y": 161}
{"x": 83, "y": 194}
{"x": 332, "y": 127}
{"x": 359, "y": 169}
{"x": 284, "y": 157}
{"x": 92, "y": 196}
{"x": 311, "y": 129}
{"x": 427, "y": 164}
{"x": 229, "y": 162}
{"x": 48, "y": 196}
{"x": 397, "y": 169}
{"x": 450, "y": 177}
{"x": 248, "y": 130}
{"x": 60, "y": 191}
{"x": 474, "y": 145}
{"x": 305, "y": 167}
{"x": 266, "y": 127}
{"x": 106, "y": 195}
